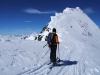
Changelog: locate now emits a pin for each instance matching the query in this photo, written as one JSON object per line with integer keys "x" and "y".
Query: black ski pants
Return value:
{"x": 53, "y": 53}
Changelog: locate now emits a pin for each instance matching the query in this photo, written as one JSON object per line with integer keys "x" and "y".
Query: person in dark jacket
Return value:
{"x": 53, "y": 46}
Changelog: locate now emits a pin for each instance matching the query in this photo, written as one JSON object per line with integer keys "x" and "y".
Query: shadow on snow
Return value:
{"x": 66, "y": 63}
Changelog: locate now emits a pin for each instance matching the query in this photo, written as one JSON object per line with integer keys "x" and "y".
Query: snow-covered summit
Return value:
{"x": 74, "y": 22}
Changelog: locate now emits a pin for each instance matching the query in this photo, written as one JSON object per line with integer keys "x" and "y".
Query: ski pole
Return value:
{"x": 45, "y": 54}
{"x": 44, "y": 45}
{"x": 59, "y": 53}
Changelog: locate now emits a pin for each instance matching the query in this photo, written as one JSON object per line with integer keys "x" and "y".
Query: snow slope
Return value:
{"x": 79, "y": 48}
{"x": 75, "y": 18}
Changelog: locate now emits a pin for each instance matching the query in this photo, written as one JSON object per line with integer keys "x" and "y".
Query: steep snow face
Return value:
{"x": 74, "y": 22}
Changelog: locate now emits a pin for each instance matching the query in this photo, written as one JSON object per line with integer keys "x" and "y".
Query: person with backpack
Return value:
{"x": 52, "y": 41}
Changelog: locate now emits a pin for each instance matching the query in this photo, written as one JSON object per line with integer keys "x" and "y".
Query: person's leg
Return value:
{"x": 51, "y": 54}
{"x": 54, "y": 54}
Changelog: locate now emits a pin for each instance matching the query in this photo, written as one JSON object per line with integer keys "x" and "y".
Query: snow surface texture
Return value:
{"x": 79, "y": 48}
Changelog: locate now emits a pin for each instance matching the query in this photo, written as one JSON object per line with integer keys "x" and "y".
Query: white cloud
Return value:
{"x": 35, "y": 11}
{"x": 89, "y": 10}
{"x": 27, "y": 21}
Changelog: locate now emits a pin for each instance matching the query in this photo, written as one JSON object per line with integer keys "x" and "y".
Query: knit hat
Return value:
{"x": 54, "y": 30}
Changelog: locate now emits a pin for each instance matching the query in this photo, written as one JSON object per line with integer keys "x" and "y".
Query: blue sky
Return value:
{"x": 27, "y": 16}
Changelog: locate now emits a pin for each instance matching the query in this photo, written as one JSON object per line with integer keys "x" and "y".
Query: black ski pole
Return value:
{"x": 45, "y": 54}
{"x": 44, "y": 45}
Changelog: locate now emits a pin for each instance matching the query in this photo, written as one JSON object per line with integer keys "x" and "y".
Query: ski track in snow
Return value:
{"x": 74, "y": 57}
{"x": 34, "y": 70}
{"x": 44, "y": 69}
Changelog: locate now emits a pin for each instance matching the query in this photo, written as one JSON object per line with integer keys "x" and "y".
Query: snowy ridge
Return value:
{"x": 31, "y": 36}
{"x": 72, "y": 20}
{"x": 79, "y": 48}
